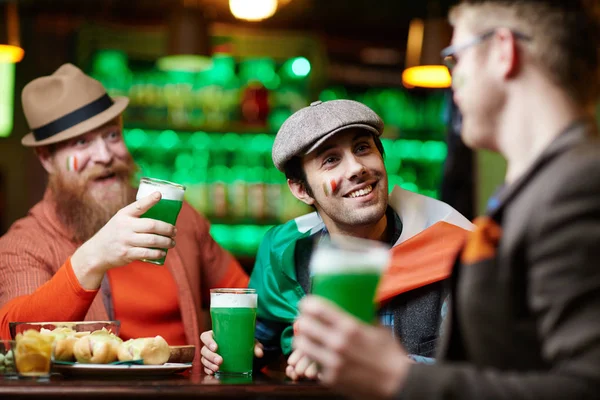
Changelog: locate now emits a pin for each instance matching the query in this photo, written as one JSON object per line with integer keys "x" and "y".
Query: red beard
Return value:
{"x": 79, "y": 210}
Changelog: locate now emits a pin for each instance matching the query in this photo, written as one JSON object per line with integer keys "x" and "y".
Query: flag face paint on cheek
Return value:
{"x": 72, "y": 163}
{"x": 330, "y": 187}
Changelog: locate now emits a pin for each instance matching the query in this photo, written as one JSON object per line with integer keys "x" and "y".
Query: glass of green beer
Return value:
{"x": 346, "y": 271}
{"x": 167, "y": 209}
{"x": 233, "y": 313}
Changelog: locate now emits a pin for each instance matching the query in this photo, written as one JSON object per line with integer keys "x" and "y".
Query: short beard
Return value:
{"x": 77, "y": 208}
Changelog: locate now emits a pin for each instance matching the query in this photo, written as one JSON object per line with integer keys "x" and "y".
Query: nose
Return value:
{"x": 101, "y": 152}
{"x": 354, "y": 167}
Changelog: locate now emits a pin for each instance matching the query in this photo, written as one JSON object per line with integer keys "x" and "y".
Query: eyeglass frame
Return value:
{"x": 450, "y": 51}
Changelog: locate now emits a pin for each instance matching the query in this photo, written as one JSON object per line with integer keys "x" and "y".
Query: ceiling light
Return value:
{"x": 253, "y": 10}
{"x": 425, "y": 42}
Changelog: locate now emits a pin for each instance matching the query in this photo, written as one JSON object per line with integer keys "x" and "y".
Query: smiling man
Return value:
{"x": 333, "y": 158}
{"x": 59, "y": 263}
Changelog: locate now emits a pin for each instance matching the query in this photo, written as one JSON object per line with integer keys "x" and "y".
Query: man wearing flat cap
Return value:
{"x": 332, "y": 156}
{"x": 76, "y": 255}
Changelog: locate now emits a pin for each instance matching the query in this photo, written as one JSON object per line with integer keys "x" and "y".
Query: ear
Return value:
{"x": 46, "y": 158}
{"x": 299, "y": 191}
{"x": 507, "y": 56}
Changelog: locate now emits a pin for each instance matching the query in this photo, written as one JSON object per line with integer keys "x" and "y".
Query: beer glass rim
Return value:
{"x": 161, "y": 182}
{"x": 232, "y": 291}
{"x": 345, "y": 254}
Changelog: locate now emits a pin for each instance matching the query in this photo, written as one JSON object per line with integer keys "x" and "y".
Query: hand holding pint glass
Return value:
{"x": 167, "y": 209}
{"x": 346, "y": 271}
{"x": 135, "y": 232}
{"x": 233, "y": 313}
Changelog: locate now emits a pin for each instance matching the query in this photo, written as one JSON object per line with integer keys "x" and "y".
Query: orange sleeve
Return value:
{"x": 219, "y": 268}
{"x": 234, "y": 277}
{"x": 60, "y": 299}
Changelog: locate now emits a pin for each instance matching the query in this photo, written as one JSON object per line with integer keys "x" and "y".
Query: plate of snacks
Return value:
{"x": 101, "y": 353}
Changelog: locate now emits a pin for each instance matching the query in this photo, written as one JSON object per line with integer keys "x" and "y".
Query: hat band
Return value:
{"x": 73, "y": 118}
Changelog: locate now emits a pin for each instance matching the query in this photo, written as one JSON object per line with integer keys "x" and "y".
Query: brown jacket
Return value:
{"x": 36, "y": 247}
{"x": 524, "y": 321}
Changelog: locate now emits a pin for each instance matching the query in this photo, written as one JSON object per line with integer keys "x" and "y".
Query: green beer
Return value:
{"x": 167, "y": 209}
{"x": 346, "y": 271}
{"x": 354, "y": 292}
{"x": 233, "y": 313}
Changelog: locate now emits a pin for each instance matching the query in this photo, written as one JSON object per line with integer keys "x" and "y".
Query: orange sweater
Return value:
{"x": 36, "y": 284}
{"x": 141, "y": 314}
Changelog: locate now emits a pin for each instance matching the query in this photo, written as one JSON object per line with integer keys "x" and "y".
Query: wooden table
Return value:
{"x": 188, "y": 386}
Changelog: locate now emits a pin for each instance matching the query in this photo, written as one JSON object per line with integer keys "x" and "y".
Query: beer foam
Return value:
{"x": 168, "y": 192}
{"x": 231, "y": 300}
{"x": 330, "y": 261}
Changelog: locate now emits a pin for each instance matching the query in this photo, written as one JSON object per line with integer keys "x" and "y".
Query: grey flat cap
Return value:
{"x": 310, "y": 126}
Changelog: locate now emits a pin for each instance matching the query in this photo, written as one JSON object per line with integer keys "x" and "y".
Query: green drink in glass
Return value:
{"x": 233, "y": 313}
{"x": 346, "y": 271}
{"x": 167, "y": 209}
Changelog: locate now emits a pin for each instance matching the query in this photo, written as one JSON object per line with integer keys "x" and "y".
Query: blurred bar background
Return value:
{"x": 209, "y": 91}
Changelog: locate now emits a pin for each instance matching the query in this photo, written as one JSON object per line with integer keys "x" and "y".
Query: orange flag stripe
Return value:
{"x": 425, "y": 258}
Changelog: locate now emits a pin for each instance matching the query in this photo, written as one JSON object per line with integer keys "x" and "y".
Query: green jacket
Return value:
{"x": 274, "y": 273}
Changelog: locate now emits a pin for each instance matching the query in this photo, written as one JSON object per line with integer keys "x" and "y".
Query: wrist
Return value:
{"x": 88, "y": 268}
{"x": 397, "y": 378}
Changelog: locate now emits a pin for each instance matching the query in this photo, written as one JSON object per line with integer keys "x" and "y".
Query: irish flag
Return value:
{"x": 72, "y": 163}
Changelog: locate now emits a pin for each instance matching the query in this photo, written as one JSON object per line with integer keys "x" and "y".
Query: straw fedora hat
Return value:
{"x": 66, "y": 104}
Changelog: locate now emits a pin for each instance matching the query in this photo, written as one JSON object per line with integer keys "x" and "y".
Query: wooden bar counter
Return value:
{"x": 184, "y": 386}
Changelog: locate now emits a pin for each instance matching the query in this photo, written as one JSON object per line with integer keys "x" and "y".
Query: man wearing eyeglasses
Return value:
{"x": 523, "y": 321}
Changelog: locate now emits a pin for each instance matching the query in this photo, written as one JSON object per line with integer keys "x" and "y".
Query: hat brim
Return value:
{"x": 322, "y": 140}
{"x": 120, "y": 103}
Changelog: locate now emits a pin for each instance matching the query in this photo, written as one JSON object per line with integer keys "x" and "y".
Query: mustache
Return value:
{"x": 119, "y": 168}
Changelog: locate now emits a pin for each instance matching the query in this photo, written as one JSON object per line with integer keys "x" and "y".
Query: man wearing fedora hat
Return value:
{"x": 59, "y": 263}
{"x": 332, "y": 156}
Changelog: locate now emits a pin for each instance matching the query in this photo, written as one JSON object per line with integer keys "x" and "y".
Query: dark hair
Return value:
{"x": 295, "y": 172}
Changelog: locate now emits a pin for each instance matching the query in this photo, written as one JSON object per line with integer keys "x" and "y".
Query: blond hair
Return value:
{"x": 565, "y": 35}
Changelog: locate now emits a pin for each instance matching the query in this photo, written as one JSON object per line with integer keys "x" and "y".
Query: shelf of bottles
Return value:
{"x": 213, "y": 131}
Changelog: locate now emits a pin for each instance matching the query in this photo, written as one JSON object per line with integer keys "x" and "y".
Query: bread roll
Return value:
{"x": 63, "y": 349}
{"x": 154, "y": 351}
{"x": 97, "y": 348}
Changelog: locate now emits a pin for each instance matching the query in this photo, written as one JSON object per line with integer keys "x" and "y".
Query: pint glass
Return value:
{"x": 233, "y": 313}
{"x": 346, "y": 271}
{"x": 167, "y": 209}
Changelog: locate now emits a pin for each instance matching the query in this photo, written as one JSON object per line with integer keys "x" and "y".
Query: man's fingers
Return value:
{"x": 330, "y": 363}
{"x": 139, "y": 207}
{"x": 302, "y": 365}
{"x": 210, "y": 356}
{"x": 294, "y": 357}
{"x": 154, "y": 226}
{"x": 323, "y": 310}
{"x": 312, "y": 371}
{"x": 258, "y": 350}
{"x": 291, "y": 373}
{"x": 149, "y": 240}
{"x": 142, "y": 253}
{"x": 319, "y": 354}
{"x": 313, "y": 329}
{"x": 208, "y": 339}
{"x": 209, "y": 365}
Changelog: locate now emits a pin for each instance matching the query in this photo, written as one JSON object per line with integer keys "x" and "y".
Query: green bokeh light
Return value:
{"x": 168, "y": 139}
{"x": 110, "y": 62}
{"x": 301, "y": 67}
{"x": 7, "y": 94}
